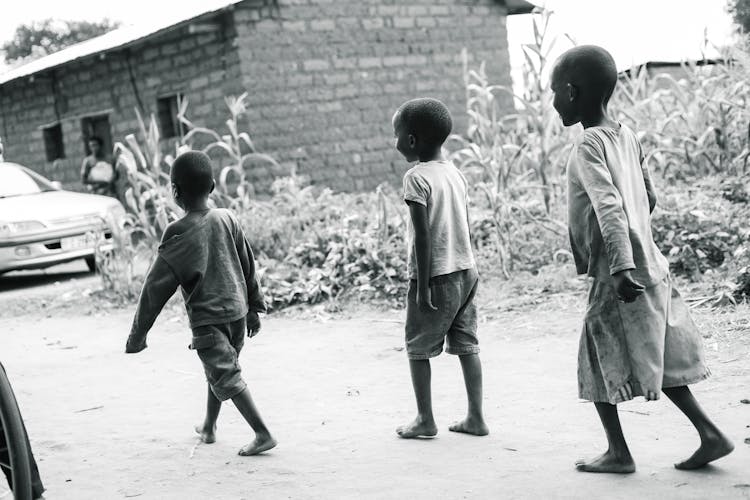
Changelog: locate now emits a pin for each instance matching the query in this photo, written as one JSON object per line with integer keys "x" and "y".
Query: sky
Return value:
{"x": 633, "y": 31}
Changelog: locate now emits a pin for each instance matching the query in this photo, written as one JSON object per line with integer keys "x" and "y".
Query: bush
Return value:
{"x": 314, "y": 245}
{"x": 697, "y": 229}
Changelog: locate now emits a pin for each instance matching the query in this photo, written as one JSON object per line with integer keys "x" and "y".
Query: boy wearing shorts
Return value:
{"x": 443, "y": 278}
{"x": 207, "y": 256}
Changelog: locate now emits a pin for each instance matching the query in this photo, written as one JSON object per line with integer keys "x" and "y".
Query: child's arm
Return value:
{"x": 649, "y": 186}
{"x": 256, "y": 302}
{"x": 423, "y": 251}
{"x": 650, "y": 192}
{"x": 596, "y": 180}
{"x": 416, "y": 193}
{"x": 160, "y": 285}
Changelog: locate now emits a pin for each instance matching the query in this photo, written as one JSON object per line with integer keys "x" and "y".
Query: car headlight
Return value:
{"x": 8, "y": 229}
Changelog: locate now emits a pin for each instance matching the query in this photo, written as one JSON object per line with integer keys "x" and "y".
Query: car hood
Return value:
{"x": 54, "y": 205}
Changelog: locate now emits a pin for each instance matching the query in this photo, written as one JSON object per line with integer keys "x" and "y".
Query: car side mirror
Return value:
{"x": 56, "y": 184}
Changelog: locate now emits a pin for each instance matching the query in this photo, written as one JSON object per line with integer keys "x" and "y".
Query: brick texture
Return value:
{"x": 323, "y": 78}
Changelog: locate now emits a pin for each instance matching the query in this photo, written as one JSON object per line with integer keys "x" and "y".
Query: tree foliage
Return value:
{"x": 40, "y": 38}
{"x": 740, "y": 10}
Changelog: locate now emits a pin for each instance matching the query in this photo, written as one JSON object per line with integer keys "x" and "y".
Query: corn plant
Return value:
{"x": 695, "y": 125}
{"x": 512, "y": 158}
{"x": 148, "y": 197}
{"x": 233, "y": 189}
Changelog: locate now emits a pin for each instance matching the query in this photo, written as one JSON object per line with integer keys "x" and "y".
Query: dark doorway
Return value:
{"x": 97, "y": 126}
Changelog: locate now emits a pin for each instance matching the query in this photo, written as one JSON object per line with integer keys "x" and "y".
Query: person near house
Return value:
{"x": 37, "y": 488}
{"x": 97, "y": 172}
{"x": 638, "y": 337}
{"x": 443, "y": 277}
{"x": 207, "y": 255}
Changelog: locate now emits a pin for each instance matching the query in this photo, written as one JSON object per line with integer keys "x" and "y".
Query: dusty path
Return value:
{"x": 107, "y": 425}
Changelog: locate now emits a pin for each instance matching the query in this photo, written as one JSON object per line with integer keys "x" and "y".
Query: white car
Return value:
{"x": 42, "y": 225}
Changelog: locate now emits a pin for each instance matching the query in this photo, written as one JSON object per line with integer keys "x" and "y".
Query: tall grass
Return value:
{"x": 694, "y": 124}
{"x": 694, "y": 127}
{"x": 148, "y": 198}
{"x": 514, "y": 161}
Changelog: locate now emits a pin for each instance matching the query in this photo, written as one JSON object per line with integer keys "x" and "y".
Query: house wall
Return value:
{"x": 203, "y": 66}
{"x": 323, "y": 77}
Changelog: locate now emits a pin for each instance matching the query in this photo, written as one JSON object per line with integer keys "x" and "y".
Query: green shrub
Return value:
{"x": 699, "y": 230}
{"x": 314, "y": 245}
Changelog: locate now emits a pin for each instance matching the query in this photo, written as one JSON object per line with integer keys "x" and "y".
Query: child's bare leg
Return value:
{"x": 424, "y": 424}
{"x": 474, "y": 421}
{"x": 207, "y": 430}
{"x": 617, "y": 458}
{"x": 714, "y": 444}
{"x": 263, "y": 439}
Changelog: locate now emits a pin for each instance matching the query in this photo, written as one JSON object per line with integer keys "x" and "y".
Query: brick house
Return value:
{"x": 323, "y": 77}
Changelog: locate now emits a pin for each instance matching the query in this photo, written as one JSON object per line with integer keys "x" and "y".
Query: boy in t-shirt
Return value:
{"x": 443, "y": 278}
{"x": 638, "y": 338}
{"x": 207, "y": 255}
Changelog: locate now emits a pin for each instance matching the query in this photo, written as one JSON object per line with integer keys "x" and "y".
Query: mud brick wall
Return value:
{"x": 323, "y": 77}
{"x": 202, "y": 66}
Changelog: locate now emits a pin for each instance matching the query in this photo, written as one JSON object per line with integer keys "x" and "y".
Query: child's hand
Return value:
{"x": 132, "y": 346}
{"x": 626, "y": 287}
{"x": 253, "y": 324}
{"x": 424, "y": 299}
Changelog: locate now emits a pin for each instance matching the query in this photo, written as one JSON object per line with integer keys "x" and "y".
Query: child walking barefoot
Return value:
{"x": 207, "y": 255}
{"x": 440, "y": 304}
{"x": 638, "y": 338}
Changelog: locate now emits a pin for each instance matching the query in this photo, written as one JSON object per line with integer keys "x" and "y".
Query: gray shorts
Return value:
{"x": 453, "y": 324}
{"x": 218, "y": 347}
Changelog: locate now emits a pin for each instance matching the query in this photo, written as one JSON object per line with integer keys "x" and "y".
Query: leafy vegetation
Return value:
{"x": 40, "y": 38}
{"x": 314, "y": 245}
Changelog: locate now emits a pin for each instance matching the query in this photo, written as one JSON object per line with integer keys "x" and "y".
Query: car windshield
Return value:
{"x": 18, "y": 181}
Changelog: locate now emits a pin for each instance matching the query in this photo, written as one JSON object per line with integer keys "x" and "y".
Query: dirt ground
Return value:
{"x": 108, "y": 425}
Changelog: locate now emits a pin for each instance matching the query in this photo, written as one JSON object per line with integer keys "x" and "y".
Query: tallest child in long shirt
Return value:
{"x": 638, "y": 338}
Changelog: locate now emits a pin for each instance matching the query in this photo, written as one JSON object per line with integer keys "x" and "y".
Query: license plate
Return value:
{"x": 78, "y": 242}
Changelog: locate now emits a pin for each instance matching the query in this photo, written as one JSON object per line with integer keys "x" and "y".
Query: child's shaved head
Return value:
{"x": 192, "y": 174}
{"x": 589, "y": 68}
{"x": 426, "y": 119}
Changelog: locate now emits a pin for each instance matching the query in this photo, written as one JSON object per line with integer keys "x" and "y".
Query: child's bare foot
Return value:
{"x": 607, "y": 462}
{"x": 419, "y": 427}
{"x": 259, "y": 445}
{"x": 471, "y": 425}
{"x": 711, "y": 448}
{"x": 208, "y": 436}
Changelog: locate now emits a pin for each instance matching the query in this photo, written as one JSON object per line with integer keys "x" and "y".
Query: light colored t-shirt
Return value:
{"x": 440, "y": 186}
{"x": 609, "y": 218}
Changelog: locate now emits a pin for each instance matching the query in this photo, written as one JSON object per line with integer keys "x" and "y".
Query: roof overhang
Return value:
{"x": 118, "y": 39}
{"x": 518, "y": 7}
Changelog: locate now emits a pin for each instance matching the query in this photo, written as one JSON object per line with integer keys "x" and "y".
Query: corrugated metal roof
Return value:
{"x": 117, "y": 38}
